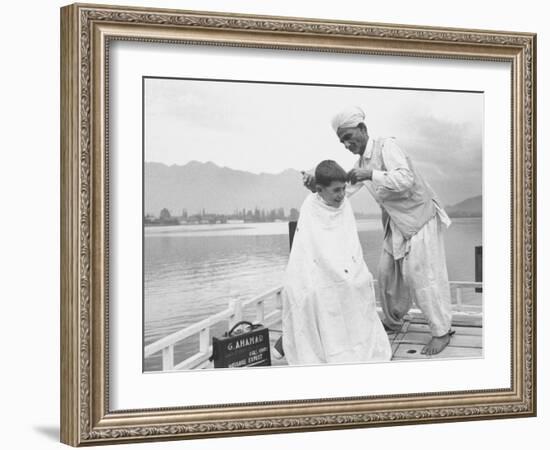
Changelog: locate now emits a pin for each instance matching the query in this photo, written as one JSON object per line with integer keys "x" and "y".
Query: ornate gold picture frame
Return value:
{"x": 87, "y": 415}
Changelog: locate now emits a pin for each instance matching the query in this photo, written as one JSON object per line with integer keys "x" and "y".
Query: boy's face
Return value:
{"x": 333, "y": 194}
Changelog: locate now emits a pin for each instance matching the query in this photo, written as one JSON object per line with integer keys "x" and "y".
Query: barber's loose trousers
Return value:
{"x": 420, "y": 276}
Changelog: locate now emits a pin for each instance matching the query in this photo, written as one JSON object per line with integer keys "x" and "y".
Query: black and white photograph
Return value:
{"x": 248, "y": 225}
{"x": 291, "y": 224}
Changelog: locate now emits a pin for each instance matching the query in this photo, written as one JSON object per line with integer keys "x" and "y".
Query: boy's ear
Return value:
{"x": 318, "y": 188}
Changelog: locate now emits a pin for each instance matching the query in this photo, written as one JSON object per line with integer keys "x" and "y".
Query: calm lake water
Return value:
{"x": 190, "y": 272}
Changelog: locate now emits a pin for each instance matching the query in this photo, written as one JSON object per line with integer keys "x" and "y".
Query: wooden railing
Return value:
{"x": 458, "y": 305}
{"x": 235, "y": 312}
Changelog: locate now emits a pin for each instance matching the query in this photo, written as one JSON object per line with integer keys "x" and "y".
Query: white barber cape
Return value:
{"x": 329, "y": 307}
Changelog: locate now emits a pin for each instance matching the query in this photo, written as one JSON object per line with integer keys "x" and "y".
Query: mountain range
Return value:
{"x": 198, "y": 186}
{"x": 471, "y": 207}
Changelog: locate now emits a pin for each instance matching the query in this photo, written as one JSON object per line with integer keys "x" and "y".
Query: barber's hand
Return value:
{"x": 356, "y": 175}
{"x": 309, "y": 181}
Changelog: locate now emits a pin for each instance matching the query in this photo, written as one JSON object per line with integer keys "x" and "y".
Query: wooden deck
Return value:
{"x": 407, "y": 343}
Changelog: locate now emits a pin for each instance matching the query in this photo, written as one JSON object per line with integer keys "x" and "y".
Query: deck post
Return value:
{"x": 479, "y": 266}
{"x": 459, "y": 299}
{"x": 204, "y": 340}
{"x": 291, "y": 231}
{"x": 279, "y": 301}
{"x": 260, "y": 312}
{"x": 237, "y": 306}
{"x": 168, "y": 358}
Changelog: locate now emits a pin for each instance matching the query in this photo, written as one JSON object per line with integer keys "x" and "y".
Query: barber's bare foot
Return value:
{"x": 436, "y": 345}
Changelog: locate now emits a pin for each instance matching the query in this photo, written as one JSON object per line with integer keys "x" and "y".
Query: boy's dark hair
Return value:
{"x": 328, "y": 171}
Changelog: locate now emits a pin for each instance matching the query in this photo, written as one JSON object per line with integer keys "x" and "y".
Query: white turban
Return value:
{"x": 350, "y": 117}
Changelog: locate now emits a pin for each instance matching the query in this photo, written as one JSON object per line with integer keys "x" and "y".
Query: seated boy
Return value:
{"x": 329, "y": 308}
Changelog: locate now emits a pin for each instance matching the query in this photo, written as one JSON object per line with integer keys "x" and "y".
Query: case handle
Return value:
{"x": 243, "y": 322}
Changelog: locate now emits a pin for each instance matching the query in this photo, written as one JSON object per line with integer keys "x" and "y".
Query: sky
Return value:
{"x": 259, "y": 127}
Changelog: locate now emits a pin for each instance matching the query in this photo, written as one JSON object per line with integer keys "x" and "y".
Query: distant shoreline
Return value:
{"x": 374, "y": 218}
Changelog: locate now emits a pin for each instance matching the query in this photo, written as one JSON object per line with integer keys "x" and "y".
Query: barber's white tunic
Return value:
{"x": 329, "y": 307}
{"x": 412, "y": 268}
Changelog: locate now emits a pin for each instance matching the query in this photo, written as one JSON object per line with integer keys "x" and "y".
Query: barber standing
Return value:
{"x": 412, "y": 265}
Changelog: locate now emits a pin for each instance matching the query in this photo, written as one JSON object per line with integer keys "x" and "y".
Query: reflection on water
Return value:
{"x": 191, "y": 272}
